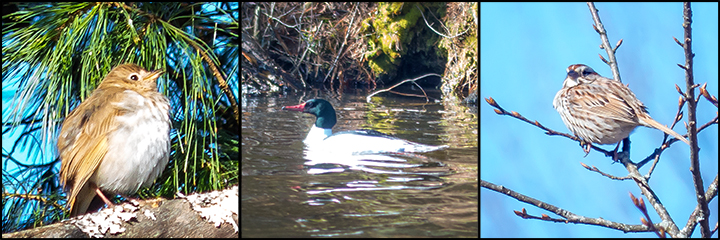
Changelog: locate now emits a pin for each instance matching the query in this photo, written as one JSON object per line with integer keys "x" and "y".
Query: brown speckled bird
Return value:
{"x": 601, "y": 110}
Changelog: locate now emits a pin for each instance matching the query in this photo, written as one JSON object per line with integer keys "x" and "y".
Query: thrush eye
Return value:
{"x": 134, "y": 77}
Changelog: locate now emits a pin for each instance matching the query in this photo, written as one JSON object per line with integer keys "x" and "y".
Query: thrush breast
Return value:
{"x": 138, "y": 147}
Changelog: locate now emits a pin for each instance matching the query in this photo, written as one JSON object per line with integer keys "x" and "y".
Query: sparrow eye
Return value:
{"x": 587, "y": 71}
{"x": 134, "y": 77}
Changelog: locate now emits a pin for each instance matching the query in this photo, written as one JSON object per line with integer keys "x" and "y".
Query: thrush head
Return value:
{"x": 131, "y": 76}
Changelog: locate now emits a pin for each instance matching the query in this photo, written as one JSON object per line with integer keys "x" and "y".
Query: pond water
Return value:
{"x": 286, "y": 192}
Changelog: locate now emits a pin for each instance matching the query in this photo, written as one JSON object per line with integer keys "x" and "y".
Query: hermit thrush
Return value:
{"x": 117, "y": 140}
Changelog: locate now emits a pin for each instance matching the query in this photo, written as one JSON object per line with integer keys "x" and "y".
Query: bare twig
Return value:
{"x": 704, "y": 214}
{"x": 404, "y": 81}
{"x": 600, "y": 29}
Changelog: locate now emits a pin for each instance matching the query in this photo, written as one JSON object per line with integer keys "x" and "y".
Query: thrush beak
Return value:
{"x": 156, "y": 74}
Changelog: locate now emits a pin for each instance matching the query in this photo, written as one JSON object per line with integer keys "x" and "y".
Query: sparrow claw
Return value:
{"x": 586, "y": 147}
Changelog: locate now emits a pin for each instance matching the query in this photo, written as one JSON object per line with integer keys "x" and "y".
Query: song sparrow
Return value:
{"x": 601, "y": 110}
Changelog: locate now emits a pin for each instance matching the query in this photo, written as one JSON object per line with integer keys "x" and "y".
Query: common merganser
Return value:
{"x": 355, "y": 141}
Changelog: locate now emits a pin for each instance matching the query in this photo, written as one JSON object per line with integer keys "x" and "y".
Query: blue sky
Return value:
{"x": 525, "y": 49}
